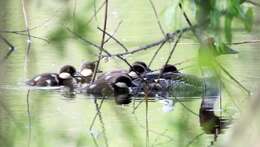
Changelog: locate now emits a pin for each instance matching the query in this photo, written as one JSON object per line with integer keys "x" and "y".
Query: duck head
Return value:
{"x": 169, "y": 68}
{"x": 87, "y": 68}
{"x": 66, "y": 74}
{"x": 138, "y": 68}
{"x": 121, "y": 90}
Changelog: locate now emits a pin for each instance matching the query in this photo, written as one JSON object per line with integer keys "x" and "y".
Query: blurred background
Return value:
{"x": 45, "y": 118}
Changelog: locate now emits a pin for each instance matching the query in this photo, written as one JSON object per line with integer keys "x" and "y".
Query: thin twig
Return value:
{"x": 232, "y": 78}
{"x": 116, "y": 40}
{"x": 23, "y": 34}
{"x": 29, "y": 40}
{"x": 187, "y": 108}
{"x": 31, "y": 28}
{"x": 95, "y": 9}
{"x": 102, "y": 43}
{"x": 87, "y": 41}
{"x": 230, "y": 96}
{"x": 245, "y": 42}
{"x": 152, "y": 131}
{"x": 155, "y": 54}
{"x": 11, "y": 48}
{"x": 146, "y": 115}
{"x": 187, "y": 60}
{"x": 74, "y": 12}
{"x": 95, "y": 117}
{"x": 96, "y": 12}
{"x": 157, "y": 18}
{"x": 193, "y": 139}
{"x": 253, "y": 3}
{"x": 158, "y": 136}
{"x": 101, "y": 121}
{"x": 96, "y": 68}
{"x": 171, "y": 53}
{"x": 115, "y": 31}
{"x": 168, "y": 37}
{"x": 190, "y": 24}
{"x": 173, "y": 49}
{"x": 29, "y": 118}
{"x": 94, "y": 140}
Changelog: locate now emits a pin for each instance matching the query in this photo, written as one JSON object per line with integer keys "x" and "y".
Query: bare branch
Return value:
{"x": 114, "y": 31}
{"x": 95, "y": 117}
{"x": 253, "y": 3}
{"x": 157, "y": 18}
{"x": 194, "y": 138}
{"x": 102, "y": 42}
{"x": 234, "y": 79}
{"x": 173, "y": 49}
{"x": 116, "y": 40}
{"x": 23, "y": 34}
{"x": 95, "y": 12}
{"x": 168, "y": 37}
{"x": 245, "y": 42}
{"x": 187, "y": 108}
{"x": 87, "y": 41}
{"x": 155, "y": 54}
{"x": 29, "y": 40}
{"x": 29, "y": 118}
{"x": 190, "y": 24}
{"x": 11, "y": 48}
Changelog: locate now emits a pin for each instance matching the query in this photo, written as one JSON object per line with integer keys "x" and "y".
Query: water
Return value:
{"x": 47, "y": 118}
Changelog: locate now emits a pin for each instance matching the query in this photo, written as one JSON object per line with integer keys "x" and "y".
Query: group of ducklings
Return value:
{"x": 122, "y": 84}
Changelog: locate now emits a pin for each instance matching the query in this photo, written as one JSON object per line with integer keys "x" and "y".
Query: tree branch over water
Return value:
{"x": 11, "y": 48}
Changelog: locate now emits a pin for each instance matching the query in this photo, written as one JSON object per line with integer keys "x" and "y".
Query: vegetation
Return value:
{"x": 198, "y": 36}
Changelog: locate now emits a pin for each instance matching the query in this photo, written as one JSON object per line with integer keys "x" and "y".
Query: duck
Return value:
{"x": 86, "y": 71}
{"x": 169, "y": 82}
{"x": 182, "y": 85}
{"x": 113, "y": 84}
{"x": 65, "y": 77}
{"x": 138, "y": 69}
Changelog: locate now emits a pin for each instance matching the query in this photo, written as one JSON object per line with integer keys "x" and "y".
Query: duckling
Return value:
{"x": 112, "y": 84}
{"x": 138, "y": 69}
{"x": 63, "y": 78}
{"x": 169, "y": 82}
{"x": 86, "y": 72}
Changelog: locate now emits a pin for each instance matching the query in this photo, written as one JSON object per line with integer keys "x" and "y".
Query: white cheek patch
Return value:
{"x": 37, "y": 78}
{"x": 133, "y": 74}
{"x": 92, "y": 86}
{"x": 121, "y": 85}
{"x": 49, "y": 82}
{"x": 108, "y": 77}
{"x": 86, "y": 72}
{"x": 64, "y": 75}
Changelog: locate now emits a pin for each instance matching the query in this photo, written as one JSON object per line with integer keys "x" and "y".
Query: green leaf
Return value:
{"x": 223, "y": 49}
{"x": 228, "y": 29}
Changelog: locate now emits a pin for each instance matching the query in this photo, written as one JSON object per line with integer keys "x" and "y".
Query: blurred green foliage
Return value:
{"x": 54, "y": 123}
{"x": 77, "y": 21}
